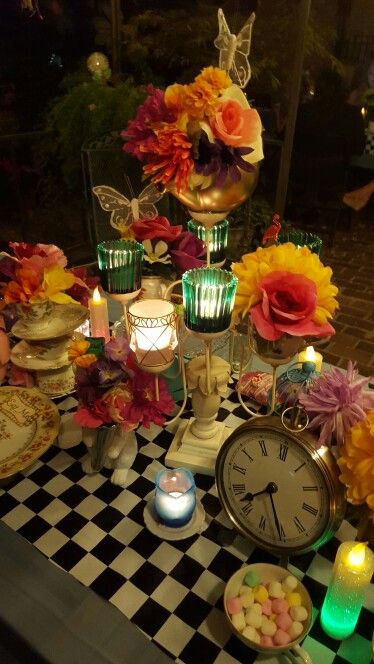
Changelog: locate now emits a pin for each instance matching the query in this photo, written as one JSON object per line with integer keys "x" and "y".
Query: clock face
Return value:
{"x": 274, "y": 489}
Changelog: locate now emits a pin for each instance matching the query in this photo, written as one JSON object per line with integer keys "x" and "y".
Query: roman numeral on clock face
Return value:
{"x": 283, "y": 450}
{"x": 239, "y": 469}
{"x": 310, "y": 509}
{"x": 262, "y": 445}
{"x": 247, "y": 508}
{"x": 262, "y": 523}
{"x": 310, "y": 488}
{"x": 238, "y": 489}
{"x": 298, "y": 525}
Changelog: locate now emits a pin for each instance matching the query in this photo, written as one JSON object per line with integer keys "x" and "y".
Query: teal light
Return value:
{"x": 120, "y": 265}
{"x": 301, "y": 239}
{"x": 208, "y": 299}
{"x": 218, "y": 237}
{"x": 353, "y": 568}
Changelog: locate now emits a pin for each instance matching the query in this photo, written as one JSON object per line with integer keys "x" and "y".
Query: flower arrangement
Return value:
{"x": 37, "y": 273}
{"x": 286, "y": 290}
{"x": 336, "y": 402}
{"x": 196, "y": 135}
{"x": 167, "y": 246}
{"x": 111, "y": 389}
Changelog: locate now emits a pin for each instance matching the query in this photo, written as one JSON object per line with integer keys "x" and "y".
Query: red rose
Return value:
{"x": 159, "y": 227}
{"x": 288, "y": 305}
{"x": 185, "y": 252}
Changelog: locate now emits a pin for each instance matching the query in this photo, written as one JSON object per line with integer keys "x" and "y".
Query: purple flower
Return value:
{"x": 139, "y": 130}
{"x": 109, "y": 372}
{"x": 336, "y": 402}
{"x": 221, "y": 160}
{"x": 117, "y": 349}
{"x": 185, "y": 252}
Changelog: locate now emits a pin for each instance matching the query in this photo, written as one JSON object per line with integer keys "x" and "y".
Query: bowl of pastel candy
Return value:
{"x": 268, "y": 608}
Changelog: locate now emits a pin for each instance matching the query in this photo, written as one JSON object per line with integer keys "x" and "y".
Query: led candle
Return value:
{"x": 152, "y": 325}
{"x": 99, "y": 322}
{"x": 175, "y": 497}
{"x": 208, "y": 299}
{"x": 353, "y": 568}
{"x": 310, "y": 355}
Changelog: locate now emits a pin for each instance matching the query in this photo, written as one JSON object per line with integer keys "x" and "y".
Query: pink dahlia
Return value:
{"x": 139, "y": 131}
{"x": 336, "y": 402}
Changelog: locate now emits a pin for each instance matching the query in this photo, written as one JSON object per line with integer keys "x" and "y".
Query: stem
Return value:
{"x": 157, "y": 391}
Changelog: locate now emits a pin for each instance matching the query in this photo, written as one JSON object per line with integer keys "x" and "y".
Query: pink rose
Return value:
{"x": 39, "y": 255}
{"x": 235, "y": 125}
{"x": 185, "y": 252}
{"x": 288, "y": 305}
{"x": 84, "y": 417}
{"x": 159, "y": 227}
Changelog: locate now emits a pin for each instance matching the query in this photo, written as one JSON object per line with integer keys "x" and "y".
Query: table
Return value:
{"x": 170, "y": 590}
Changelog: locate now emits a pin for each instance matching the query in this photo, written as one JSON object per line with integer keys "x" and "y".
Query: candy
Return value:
{"x": 279, "y": 605}
{"x": 268, "y": 627}
{"x": 294, "y": 599}
{"x": 284, "y": 621}
{"x": 253, "y": 617}
{"x": 249, "y": 632}
{"x": 289, "y": 583}
{"x": 234, "y": 605}
{"x": 295, "y": 630}
{"x": 238, "y": 621}
{"x": 257, "y": 607}
{"x": 267, "y": 641}
{"x": 266, "y": 607}
{"x": 252, "y": 579}
{"x": 298, "y": 613}
{"x": 247, "y": 599}
{"x": 260, "y": 594}
{"x": 244, "y": 590}
{"x": 281, "y": 638}
{"x": 275, "y": 589}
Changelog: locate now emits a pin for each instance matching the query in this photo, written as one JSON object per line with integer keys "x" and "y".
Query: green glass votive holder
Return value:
{"x": 301, "y": 239}
{"x": 120, "y": 265}
{"x": 208, "y": 299}
{"x": 218, "y": 238}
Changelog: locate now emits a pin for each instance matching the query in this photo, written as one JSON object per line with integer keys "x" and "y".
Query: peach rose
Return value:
{"x": 235, "y": 125}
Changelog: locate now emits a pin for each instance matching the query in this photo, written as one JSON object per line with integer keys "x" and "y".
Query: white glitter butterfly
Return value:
{"x": 234, "y": 49}
{"x": 125, "y": 211}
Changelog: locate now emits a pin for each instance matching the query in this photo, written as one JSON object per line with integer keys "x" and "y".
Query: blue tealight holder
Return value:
{"x": 175, "y": 497}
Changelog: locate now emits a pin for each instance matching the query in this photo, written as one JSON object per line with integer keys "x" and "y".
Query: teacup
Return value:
{"x": 56, "y": 382}
{"x": 293, "y": 651}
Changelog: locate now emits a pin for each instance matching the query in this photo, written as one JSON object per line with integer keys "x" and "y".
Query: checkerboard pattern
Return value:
{"x": 171, "y": 590}
{"x": 369, "y": 145}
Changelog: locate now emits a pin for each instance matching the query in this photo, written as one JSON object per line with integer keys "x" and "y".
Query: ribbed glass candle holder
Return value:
{"x": 175, "y": 497}
{"x": 301, "y": 239}
{"x": 208, "y": 299}
{"x": 218, "y": 238}
{"x": 120, "y": 265}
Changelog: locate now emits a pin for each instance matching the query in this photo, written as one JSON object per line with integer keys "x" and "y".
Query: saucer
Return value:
{"x": 56, "y": 383}
{"x": 196, "y": 525}
{"x": 49, "y": 354}
{"x": 65, "y": 319}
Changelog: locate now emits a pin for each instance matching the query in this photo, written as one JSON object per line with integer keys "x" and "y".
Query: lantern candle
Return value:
{"x": 310, "y": 356}
{"x": 353, "y": 568}
{"x": 99, "y": 322}
{"x": 152, "y": 330}
{"x": 175, "y": 497}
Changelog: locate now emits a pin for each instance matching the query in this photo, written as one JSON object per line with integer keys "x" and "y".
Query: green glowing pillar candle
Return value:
{"x": 353, "y": 568}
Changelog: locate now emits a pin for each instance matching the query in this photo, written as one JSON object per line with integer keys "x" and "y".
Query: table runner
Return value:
{"x": 172, "y": 591}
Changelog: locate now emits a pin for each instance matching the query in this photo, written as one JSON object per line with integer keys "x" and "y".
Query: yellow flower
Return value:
{"x": 77, "y": 348}
{"x": 84, "y": 361}
{"x": 56, "y": 280}
{"x": 217, "y": 78}
{"x": 200, "y": 100}
{"x": 175, "y": 100}
{"x": 284, "y": 257}
{"x": 357, "y": 462}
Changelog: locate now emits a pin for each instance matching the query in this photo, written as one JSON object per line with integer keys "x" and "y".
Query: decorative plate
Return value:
{"x": 49, "y": 354}
{"x": 29, "y": 423}
{"x": 65, "y": 319}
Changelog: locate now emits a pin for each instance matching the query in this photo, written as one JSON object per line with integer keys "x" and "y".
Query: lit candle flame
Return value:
{"x": 96, "y": 295}
{"x": 356, "y": 556}
{"x": 310, "y": 354}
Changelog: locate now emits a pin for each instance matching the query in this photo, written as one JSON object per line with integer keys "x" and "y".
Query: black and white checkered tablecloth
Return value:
{"x": 170, "y": 590}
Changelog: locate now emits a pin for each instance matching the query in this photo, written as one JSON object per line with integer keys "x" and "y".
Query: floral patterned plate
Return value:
{"x": 29, "y": 423}
{"x": 65, "y": 319}
{"x": 34, "y": 356}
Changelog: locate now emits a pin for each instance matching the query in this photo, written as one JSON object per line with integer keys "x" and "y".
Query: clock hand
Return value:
{"x": 276, "y": 520}
{"x": 270, "y": 488}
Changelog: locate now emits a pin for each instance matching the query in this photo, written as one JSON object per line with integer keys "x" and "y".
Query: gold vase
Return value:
{"x": 278, "y": 352}
{"x": 212, "y": 204}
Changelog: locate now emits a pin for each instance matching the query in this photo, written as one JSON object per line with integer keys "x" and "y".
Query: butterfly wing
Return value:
{"x": 146, "y": 200}
{"x": 113, "y": 201}
{"x": 222, "y": 42}
{"x": 241, "y": 71}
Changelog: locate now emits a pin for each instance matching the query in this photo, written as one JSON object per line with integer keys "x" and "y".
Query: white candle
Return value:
{"x": 153, "y": 336}
{"x": 310, "y": 355}
{"x": 99, "y": 322}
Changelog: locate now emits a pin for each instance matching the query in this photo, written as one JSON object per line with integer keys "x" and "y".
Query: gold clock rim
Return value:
{"x": 324, "y": 459}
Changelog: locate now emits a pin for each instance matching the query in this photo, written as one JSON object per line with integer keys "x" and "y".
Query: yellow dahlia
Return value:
{"x": 287, "y": 257}
{"x": 217, "y": 78}
{"x": 357, "y": 462}
{"x": 200, "y": 100}
{"x": 175, "y": 101}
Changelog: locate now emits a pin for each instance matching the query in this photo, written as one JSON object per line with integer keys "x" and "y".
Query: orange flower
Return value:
{"x": 85, "y": 360}
{"x": 77, "y": 348}
{"x": 174, "y": 97}
{"x": 357, "y": 462}
{"x": 217, "y": 78}
{"x": 27, "y": 283}
{"x": 170, "y": 157}
{"x": 200, "y": 100}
